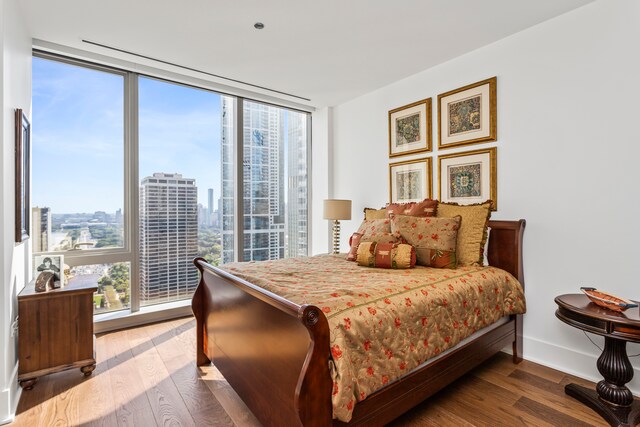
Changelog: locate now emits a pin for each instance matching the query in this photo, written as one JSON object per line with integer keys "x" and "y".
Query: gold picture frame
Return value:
{"x": 410, "y": 181}
{"x": 469, "y": 177}
{"x": 468, "y": 115}
{"x": 410, "y": 129}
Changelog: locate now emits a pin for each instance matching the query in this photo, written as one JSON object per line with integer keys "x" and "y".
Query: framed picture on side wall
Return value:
{"x": 469, "y": 177}
{"x": 22, "y": 185}
{"x": 410, "y": 129}
{"x": 410, "y": 181}
{"x": 468, "y": 115}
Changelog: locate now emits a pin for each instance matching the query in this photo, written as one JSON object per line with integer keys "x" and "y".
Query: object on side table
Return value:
{"x": 336, "y": 210}
{"x": 45, "y": 281}
{"x": 607, "y": 300}
{"x": 50, "y": 264}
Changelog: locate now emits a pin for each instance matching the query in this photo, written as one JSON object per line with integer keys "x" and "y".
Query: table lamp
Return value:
{"x": 336, "y": 210}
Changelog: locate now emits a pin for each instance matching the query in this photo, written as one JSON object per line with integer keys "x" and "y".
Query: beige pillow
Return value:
{"x": 370, "y": 213}
{"x": 473, "y": 229}
{"x": 434, "y": 239}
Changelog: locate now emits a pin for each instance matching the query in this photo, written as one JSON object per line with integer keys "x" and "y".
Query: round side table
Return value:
{"x": 611, "y": 399}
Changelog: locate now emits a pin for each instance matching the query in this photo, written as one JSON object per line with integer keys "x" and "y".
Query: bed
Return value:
{"x": 277, "y": 354}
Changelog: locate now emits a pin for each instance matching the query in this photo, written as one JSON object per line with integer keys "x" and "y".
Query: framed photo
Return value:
{"x": 410, "y": 181}
{"x": 468, "y": 115}
{"x": 469, "y": 177}
{"x": 410, "y": 128}
{"x": 49, "y": 264}
{"x": 23, "y": 143}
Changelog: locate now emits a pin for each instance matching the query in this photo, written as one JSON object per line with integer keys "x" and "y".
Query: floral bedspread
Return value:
{"x": 384, "y": 323}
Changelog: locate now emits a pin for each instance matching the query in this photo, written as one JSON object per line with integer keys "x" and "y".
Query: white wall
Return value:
{"x": 568, "y": 152}
{"x": 321, "y": 177}
{"x": 15, "y": 92}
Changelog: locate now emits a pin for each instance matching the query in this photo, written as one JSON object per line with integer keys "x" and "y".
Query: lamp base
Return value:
{"x": 336, "y": 236}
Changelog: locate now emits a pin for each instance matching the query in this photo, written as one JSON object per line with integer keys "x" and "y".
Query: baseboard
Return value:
{"x": 9, "y": 398}
{"x": 571, "y": 361}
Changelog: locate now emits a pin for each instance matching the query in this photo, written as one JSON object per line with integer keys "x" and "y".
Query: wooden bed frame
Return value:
{"x": 275, "y": 353}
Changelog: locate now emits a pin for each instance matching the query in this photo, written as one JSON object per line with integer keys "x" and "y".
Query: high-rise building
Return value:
{"x": 41, "y": 228}
{"x": 263, "y": 192}
{"x": 228, "y": 182}
{"x": 297, "y": 189}
{"x": 268, "y": 182}
{"x": 168, "y": 237}
{"x": 203, "y": 215}
{"x": 210, "y": 220}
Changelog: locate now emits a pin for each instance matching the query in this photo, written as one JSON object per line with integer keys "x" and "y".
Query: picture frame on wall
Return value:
{"x": 469, "y": 177}
{"x": 410, "y": 181}
{"x": 468, "y": 115}
{"x": 22, "y": 184}
{"x": 410, "y": 129}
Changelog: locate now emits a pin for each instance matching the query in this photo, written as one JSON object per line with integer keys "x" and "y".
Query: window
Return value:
{"x": 78, "y": 185}
{"x": 134, "y": 176}
{"x": 180, "y": 148}
{"x": 275, "y": 181}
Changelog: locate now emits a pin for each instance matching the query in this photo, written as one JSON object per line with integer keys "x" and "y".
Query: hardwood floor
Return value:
{"x": 147, "y": 376}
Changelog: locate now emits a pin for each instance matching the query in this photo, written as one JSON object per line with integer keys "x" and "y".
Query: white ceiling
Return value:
{"x": 329, "y": 51}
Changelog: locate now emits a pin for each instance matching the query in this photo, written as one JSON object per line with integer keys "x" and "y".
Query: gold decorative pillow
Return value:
{"x": 357, "y": 238}
{"x": 373, "y": 228}
{"x": 434, "y": 239}
{"x": 472, "y": 235}
{"x": 386, "y": 255}
{"x": 370, "y": 213}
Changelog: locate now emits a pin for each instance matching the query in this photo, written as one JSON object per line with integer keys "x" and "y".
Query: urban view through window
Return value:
{"x": 186, "y": 180}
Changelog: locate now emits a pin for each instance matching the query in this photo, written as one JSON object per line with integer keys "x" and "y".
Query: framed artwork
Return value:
{"x": 23, "y": 143}
{"x": 469, "y": 177}
{"x": 410, "y": 181}
{"x": 49, "y": 266}
{"x": 410, "y": 128}
{"x": 468, "y": 115}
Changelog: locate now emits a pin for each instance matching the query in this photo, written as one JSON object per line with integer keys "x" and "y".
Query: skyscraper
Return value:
{"x": 263, "y": 193}
{"x": 210, "y": 219}
{"x": 41, "y": 226}
{"x": 168, "y": 237}
{"x": 297, "y": 189}
{"x": 228, "y": 180}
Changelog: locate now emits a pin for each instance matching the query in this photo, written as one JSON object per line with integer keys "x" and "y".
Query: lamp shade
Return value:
{"x": 337, "y": 209}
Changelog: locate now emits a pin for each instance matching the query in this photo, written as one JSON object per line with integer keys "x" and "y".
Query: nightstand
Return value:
{"x": 611, "y": 398}
{"x": 55, "y": 331}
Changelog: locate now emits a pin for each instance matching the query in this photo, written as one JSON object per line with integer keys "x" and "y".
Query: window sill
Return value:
{"x": 107, "y": 322}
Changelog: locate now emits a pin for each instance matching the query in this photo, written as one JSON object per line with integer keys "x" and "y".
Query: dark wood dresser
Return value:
{"x": 55, "y": 332}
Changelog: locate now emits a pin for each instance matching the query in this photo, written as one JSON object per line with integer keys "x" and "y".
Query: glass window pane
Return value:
{"x": 275, "y": 178}
{"x": 78, "y": 157}
{"x": 181, "y": 156}
{"x": 112, "y": 280}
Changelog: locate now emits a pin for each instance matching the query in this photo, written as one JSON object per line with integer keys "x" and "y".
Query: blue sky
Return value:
{"x": 77, "y": 140}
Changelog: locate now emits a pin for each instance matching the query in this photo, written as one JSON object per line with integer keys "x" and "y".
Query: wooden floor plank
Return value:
{"x": 553, "y": 395}
{"x": 130, "y": 398}
{"x": 545, "y": 412}
{"x": 98, "y": 411}
{"x": 165, "y": 399}
{"x": 203, "y": 407}
{"x": 147, "y": 376}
